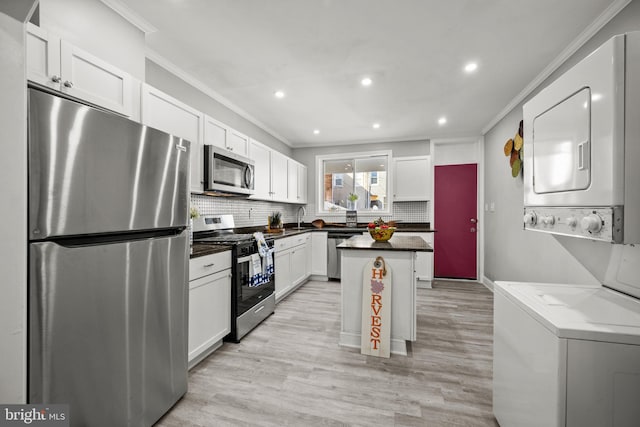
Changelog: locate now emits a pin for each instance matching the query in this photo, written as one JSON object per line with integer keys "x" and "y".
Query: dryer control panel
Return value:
{"x": 596, "y": 223}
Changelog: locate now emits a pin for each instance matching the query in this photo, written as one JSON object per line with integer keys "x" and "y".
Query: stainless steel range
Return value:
{"x": 253, "y": 283}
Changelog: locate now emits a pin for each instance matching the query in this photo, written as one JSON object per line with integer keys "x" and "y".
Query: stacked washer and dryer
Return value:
{"x": 569, "y": 355}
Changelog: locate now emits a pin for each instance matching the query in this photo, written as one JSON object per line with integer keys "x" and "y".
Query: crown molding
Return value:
{"x": 154, "y": 56}
{"x": 606, "y": 16}
{"x": 133, "y": 17}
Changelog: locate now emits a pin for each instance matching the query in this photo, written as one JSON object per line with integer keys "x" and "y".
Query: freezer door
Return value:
{"x": 108, "y": 329}
{"x": 95, "y": 172}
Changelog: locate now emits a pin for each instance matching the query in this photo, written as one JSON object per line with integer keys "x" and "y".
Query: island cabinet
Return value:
{"x": 291, "y": 261}
{"x": 209, "y": 304}
{"x": 424, "y": 260}
{"x": 399, "y": 254}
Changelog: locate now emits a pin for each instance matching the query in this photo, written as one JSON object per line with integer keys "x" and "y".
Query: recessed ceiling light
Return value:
{"x": 279, "y": 94}
{"x": 470, "y": 67}
{"x": 366, "y": 81}
{"x": 442, "y": 120}
{"x": 316, "y": 131}
{"x": 376, "y": 125}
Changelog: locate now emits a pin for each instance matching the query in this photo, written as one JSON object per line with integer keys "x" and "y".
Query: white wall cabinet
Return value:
{"x": 302, "y": 183}
{"x": 218, "y": 134}
{"x": 278, "y": 176}
{"x": 261, "y": 155}
{"x": 238, "y": 143}
{"x": 271, "y": 173}
{"x": 291, "y": 260}
{"x": 296, "y": 182}
{"x": 61, "y": 66}
{"x": 166, "y": 113}
{"x": 412, "y": 178}
{"x": 209, "y": 304}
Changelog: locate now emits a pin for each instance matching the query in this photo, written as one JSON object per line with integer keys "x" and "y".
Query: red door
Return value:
{"x": 455, "y": 219}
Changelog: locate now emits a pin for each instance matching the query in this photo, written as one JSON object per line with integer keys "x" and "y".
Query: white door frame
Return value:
{"x": 452, "y": 151}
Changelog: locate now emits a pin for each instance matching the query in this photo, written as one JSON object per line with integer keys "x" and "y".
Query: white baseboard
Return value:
{"x": 423, "y": 284}
{"x": 488, "y": 283}
{"x": 351, "y": 340}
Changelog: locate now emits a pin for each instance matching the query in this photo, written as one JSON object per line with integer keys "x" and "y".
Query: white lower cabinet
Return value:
{"x": 291, "y": 261}
{"x": 319, "y": 240}
{"x": 209, "y": 304}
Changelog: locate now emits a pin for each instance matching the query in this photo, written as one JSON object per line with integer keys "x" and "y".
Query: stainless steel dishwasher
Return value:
{"x": 333, "y": 254}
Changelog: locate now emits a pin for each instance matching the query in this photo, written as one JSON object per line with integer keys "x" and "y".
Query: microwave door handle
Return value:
{"x": 248, "y": 176}
{"x": 582, "y": 147}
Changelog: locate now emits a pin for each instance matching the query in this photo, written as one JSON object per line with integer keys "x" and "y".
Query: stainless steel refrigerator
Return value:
{"x": 108, "y": 264}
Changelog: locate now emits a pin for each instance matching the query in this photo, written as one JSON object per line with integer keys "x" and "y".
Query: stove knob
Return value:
{"x": 548, "y": 220}
{"x": 591, "y": 223}
{"x": 572, "y": 221}
{"x": 530, "y": 218}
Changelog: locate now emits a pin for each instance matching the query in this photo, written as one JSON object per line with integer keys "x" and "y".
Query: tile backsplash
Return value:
{"x": 251, "y": 213}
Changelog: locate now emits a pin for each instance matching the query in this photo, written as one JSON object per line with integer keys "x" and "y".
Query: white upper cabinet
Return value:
{"x": 302, "y": 183}
{"x": 278, "y": 176}
{"x": 292, "y": 181}
{"x": 261, "y": 154}
{"x": 166, "y": 113}
{"x": 296, "y": 182}
{"x": 43, "y": 57}
{"x": 218, "y": 134}
{"x": 412, "y": 178}
{"x": 215, "y": 133}
{"x": 237, "y": 142}
{"x": 270, "y": 173}
{"x": 62, "y": 66}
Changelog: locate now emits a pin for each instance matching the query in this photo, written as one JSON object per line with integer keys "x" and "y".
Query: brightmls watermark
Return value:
{"x": 34, "y": 415}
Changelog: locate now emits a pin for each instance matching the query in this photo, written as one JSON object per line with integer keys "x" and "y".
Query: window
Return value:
{"x": 356, "y": 181}
{"x": 373, "y": 178}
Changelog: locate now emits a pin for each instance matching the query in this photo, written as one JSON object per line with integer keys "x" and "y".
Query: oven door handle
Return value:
{"x": 244, "y": 259}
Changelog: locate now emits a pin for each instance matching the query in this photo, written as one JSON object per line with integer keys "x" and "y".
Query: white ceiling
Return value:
{"x": 317, "y": 51}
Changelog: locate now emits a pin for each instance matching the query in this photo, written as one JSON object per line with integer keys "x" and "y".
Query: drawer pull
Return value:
{"x": 259, "y": 310}
{"x": 209, "y": 265}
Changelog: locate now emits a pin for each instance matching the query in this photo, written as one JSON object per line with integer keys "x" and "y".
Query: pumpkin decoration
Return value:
{"x": 513, "y": 150}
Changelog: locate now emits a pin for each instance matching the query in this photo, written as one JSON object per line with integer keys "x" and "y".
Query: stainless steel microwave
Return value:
{"x": 226, "y": 172}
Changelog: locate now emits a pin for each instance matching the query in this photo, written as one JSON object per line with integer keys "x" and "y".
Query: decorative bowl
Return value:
{"x": 381, "y": 234}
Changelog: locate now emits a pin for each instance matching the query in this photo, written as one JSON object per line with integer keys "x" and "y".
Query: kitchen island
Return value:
{"x": 399, "y": 254}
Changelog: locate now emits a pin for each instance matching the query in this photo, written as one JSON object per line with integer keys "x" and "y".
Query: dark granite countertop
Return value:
{"x": 291, "y": 229}
{"x": 396, "y": 243}
{"x": 203, "y": 249}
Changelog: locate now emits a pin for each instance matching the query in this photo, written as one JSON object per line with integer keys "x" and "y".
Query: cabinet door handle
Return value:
{"x": 56, "y": 79}
{"x": 67, "y": 83}
{"x": 209, "y": 265}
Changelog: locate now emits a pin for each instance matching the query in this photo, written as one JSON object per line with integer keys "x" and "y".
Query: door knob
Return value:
{"x": 473, "y": 220}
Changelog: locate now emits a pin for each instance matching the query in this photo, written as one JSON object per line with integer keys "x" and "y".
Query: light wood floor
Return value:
{"x": 290, "y": 371}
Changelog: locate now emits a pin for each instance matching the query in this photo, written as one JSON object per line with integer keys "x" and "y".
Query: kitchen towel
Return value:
{"x": 266, "y": 257}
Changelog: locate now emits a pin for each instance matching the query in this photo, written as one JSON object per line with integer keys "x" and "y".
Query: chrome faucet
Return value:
{"x": 304, "y": 212}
